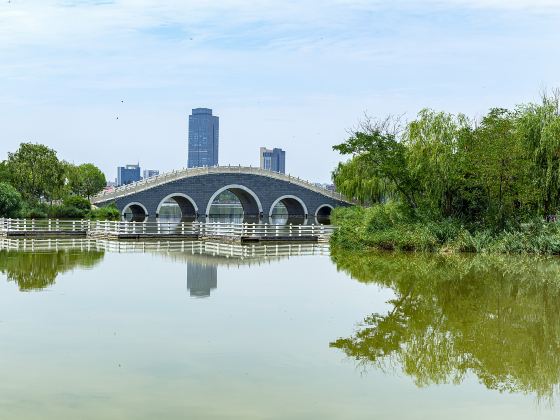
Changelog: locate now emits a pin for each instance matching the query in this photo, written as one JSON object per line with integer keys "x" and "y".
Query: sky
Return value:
{"x": 293, "y": 74}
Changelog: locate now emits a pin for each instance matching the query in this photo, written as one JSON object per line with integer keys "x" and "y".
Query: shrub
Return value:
{"x": 10, "y": 200}
{"x": 388, "y": 227}
{"x": 34, "y": 211}
{"x": 78, "y": 202}
{"x": 110, "y": 212}
{"x": 67, "y": 212}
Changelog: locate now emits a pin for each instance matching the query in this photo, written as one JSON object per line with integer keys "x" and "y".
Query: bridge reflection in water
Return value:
{"x": 34, "y": 264}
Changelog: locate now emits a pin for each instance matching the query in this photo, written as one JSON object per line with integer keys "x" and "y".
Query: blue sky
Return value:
{"x": 291, "y": 74}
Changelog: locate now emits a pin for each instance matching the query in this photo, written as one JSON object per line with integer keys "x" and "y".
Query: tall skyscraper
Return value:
{"x": 273, "y": 160}
{"x": 128, "y": 174}
{"x": 203, "y": 138}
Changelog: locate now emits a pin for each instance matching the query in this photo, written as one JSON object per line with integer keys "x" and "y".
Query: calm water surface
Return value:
{"x": 106, "y": 330}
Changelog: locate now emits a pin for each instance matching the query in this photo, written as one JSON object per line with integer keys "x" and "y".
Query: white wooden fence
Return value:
{"x": 43, "y": 225}
{"x": 116, "y": 229}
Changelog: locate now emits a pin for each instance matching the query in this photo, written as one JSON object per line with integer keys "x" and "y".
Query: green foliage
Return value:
{"x": 390, "y": 227}
{"x": 36, "y": 172}
{"x": 85, "y": 180}
{"x": 78, "y": 202}
{"x": 375, "y": 170}
{"x": 110, "y": 212}
{"x": 494, "y": 174}
{"x": 4, "y": 172}
{"x": 35, "y": 210}
{"x": 452, "y": 316}
{"x": 10, "y": 201}
{"x": 65, "y": 211}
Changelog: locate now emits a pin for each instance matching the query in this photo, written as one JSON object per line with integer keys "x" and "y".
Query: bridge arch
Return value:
{"x": 252, "y": 207}
{"x": 297, "y": 210}
{"x": 138, "y": 212}
{"x": 188, "y": 207}
{"x": 323, "y": 213}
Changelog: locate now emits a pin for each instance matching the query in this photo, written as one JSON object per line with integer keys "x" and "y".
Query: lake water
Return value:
{"x": 176, "y": 330}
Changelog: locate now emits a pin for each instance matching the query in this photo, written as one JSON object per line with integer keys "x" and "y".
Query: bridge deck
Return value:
{"x": 175, "y": 175}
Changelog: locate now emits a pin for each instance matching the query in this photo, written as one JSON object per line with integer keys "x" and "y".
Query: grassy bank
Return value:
{"x": 389, "y": 227}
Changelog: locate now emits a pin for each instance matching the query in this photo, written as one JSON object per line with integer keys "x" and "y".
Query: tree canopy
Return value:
{"x": 500, "y": 170}
{"x": 36, "y": 172}
{"x": 85, "y": 180}
{"x": 10, "y": 200}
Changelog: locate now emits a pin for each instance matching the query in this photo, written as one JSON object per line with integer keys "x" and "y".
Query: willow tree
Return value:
{"x": 500, "y": 166}
{"x": 434, "y": 146}
{"x": 377, "y": 168}
{"x": 539, "y": 129}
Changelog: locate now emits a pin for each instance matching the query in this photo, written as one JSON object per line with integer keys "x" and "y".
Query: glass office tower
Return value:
{"x": 203, "y": 138}
{"x": 128, "y": 174}
{"x": 273, "y": 160}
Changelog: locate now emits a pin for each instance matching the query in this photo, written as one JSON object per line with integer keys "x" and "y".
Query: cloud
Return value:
{"x": 274, "y": 71}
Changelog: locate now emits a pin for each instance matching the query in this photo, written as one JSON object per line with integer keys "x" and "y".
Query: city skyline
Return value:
{"x": 266, "y": 70}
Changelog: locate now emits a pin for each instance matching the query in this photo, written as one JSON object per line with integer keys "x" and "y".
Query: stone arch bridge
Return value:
{"x": 195, "y": 189}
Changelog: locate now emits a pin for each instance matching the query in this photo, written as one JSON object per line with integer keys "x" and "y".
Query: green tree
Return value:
{"x": 85, "y": 180}
{"x": 10, "y": 200}
{"x": 434, "y": 145}
{"x": 4, "y": 173}
{"x": 36, "y": 172}
{"x": 538, "y": 126}
{"x": 377, "y": 166}
{"x": 500, "y": 166}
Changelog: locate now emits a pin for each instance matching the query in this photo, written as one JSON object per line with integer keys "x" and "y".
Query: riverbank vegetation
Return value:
{"x": 34, "y": 183}
{"x": 450, "y": 183}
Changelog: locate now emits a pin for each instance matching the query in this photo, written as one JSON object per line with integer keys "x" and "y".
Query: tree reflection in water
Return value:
{"x": 38, "y": 270}
{"x": 497, "y": 317}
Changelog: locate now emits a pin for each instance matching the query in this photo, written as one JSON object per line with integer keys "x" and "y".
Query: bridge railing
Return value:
{"x": 195, "y": 229}
{"x": 210, "y": 229}
{"x": 175, "y": 175}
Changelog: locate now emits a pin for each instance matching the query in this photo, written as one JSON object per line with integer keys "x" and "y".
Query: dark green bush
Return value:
{"x": 34, "y": 211}
{"x": 78, "y": 202}
{"x": 67, "y": 212}
{"x": 387, "y": 227}
{"x": 10, "y": 200}
{"x": 110, "y": 212}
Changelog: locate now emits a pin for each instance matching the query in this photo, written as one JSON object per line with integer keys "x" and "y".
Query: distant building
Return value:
{"x": 273, "y": 160}
{"x": 128, "y": 174}
{"x": 203, "y": 138}
{"x": 330, "y": 187}
{"x": 148, "y": 173}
